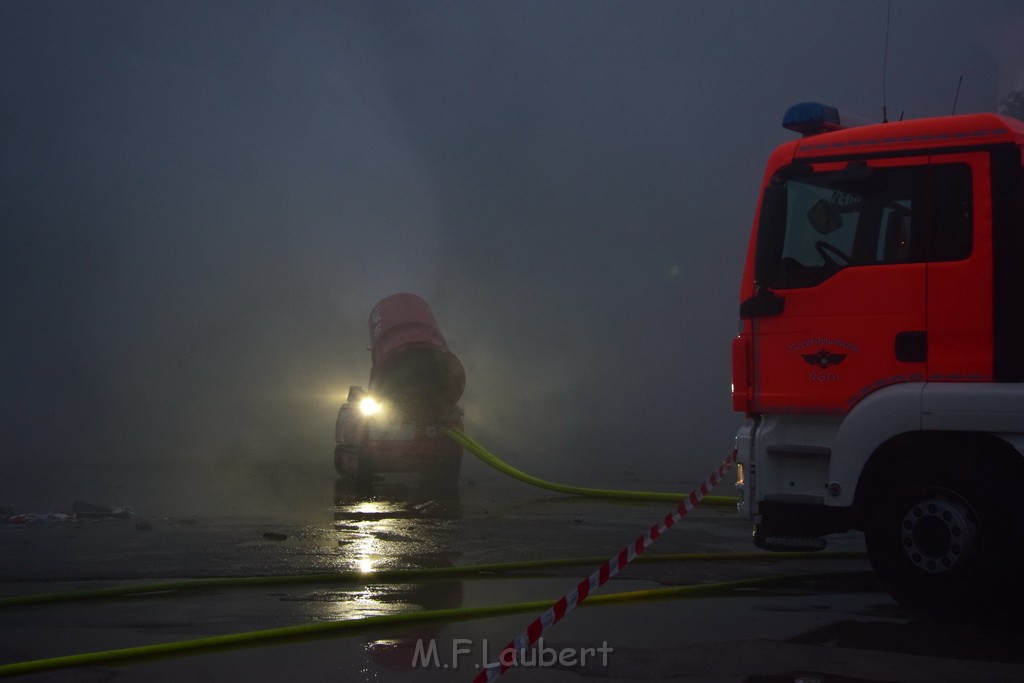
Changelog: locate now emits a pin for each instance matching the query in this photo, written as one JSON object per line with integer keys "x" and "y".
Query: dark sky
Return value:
{"x": 201, "y": 201}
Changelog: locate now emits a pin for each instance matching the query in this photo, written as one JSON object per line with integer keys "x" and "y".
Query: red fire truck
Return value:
{"x": 880, "y": 361}
{"x": 415, "y": 384}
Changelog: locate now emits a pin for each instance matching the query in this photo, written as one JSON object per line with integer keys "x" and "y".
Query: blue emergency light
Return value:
{"x": 812, "y": 118}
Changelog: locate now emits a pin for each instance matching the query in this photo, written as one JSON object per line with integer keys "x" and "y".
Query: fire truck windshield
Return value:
{"x": 864, "y": 216}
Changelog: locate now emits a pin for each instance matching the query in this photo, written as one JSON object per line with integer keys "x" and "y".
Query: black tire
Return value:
{"x": 353, "y": 466}
{"x": 945, "y": 537}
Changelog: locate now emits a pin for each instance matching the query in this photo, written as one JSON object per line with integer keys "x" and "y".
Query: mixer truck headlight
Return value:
{"x": 369, "y": 406}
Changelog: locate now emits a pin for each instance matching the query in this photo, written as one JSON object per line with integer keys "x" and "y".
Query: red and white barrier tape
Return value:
{"x": 565, "y": 604}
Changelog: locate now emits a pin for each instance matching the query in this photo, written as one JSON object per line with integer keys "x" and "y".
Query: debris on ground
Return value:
{"x": 79, "y": 510}
{"x": 93, "y": 511}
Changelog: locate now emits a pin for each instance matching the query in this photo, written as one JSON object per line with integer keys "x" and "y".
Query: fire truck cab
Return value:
{"x": 880, "y": 360}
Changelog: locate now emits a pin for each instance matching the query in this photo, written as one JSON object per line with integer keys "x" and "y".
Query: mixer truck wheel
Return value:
{"x": 353, "y": 466}
{"x": 943, "y": 539}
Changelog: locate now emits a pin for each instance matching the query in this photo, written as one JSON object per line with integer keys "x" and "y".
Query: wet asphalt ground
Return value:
{"x": 836, "y": 627}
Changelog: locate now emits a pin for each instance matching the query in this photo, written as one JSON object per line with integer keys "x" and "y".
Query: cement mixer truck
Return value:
{"x": 394, "y": 426}
{"x": 880, "y": 359}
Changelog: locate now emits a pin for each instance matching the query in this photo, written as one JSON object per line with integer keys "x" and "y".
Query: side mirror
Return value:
{"x": 763, "y": 304}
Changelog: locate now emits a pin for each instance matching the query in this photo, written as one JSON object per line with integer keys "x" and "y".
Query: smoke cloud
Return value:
{"x": 201, "y": 203}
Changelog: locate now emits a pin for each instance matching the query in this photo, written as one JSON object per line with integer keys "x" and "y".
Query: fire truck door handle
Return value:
{"x": 912, "y": 346}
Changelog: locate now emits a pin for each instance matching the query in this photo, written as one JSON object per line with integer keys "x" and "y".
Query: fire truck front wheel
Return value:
{"x": 945, "y": 538}
{"x": 352, "y": 465}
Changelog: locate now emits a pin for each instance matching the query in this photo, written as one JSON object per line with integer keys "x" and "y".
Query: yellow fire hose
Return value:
{"x": 494, "y": 461}
{"x": 351, "y": 626}
{"x": 487, "y": 571}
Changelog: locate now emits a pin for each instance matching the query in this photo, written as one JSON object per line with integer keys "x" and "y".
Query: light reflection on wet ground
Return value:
{"x": 839, "y": 629}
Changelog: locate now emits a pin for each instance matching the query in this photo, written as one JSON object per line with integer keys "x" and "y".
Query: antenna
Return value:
{"x": 957, "y": 98}
{"x": 885, "y": 58}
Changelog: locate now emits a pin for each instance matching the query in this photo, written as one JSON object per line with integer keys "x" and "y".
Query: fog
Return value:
{"x": 201, "y": 202}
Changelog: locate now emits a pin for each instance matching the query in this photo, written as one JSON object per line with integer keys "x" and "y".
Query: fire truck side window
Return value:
{"x": 865, "y": 216}
{"x": 950, "y": 215}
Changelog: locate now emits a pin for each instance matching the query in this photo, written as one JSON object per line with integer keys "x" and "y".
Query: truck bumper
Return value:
{"x": 415, "y": 455}
{"x": 435, "y": 458}
{"x": 745, "y": 469}
{"x": 788, "y": 507}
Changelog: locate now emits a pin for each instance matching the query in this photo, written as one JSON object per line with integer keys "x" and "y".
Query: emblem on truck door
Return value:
{"x": 823, "y": 358}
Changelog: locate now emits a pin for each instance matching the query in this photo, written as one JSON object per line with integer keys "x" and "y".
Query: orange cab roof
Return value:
{"x": 913, "y": 136}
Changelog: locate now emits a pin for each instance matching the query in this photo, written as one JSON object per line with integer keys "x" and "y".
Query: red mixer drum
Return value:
{"x": 412, "y": 366}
